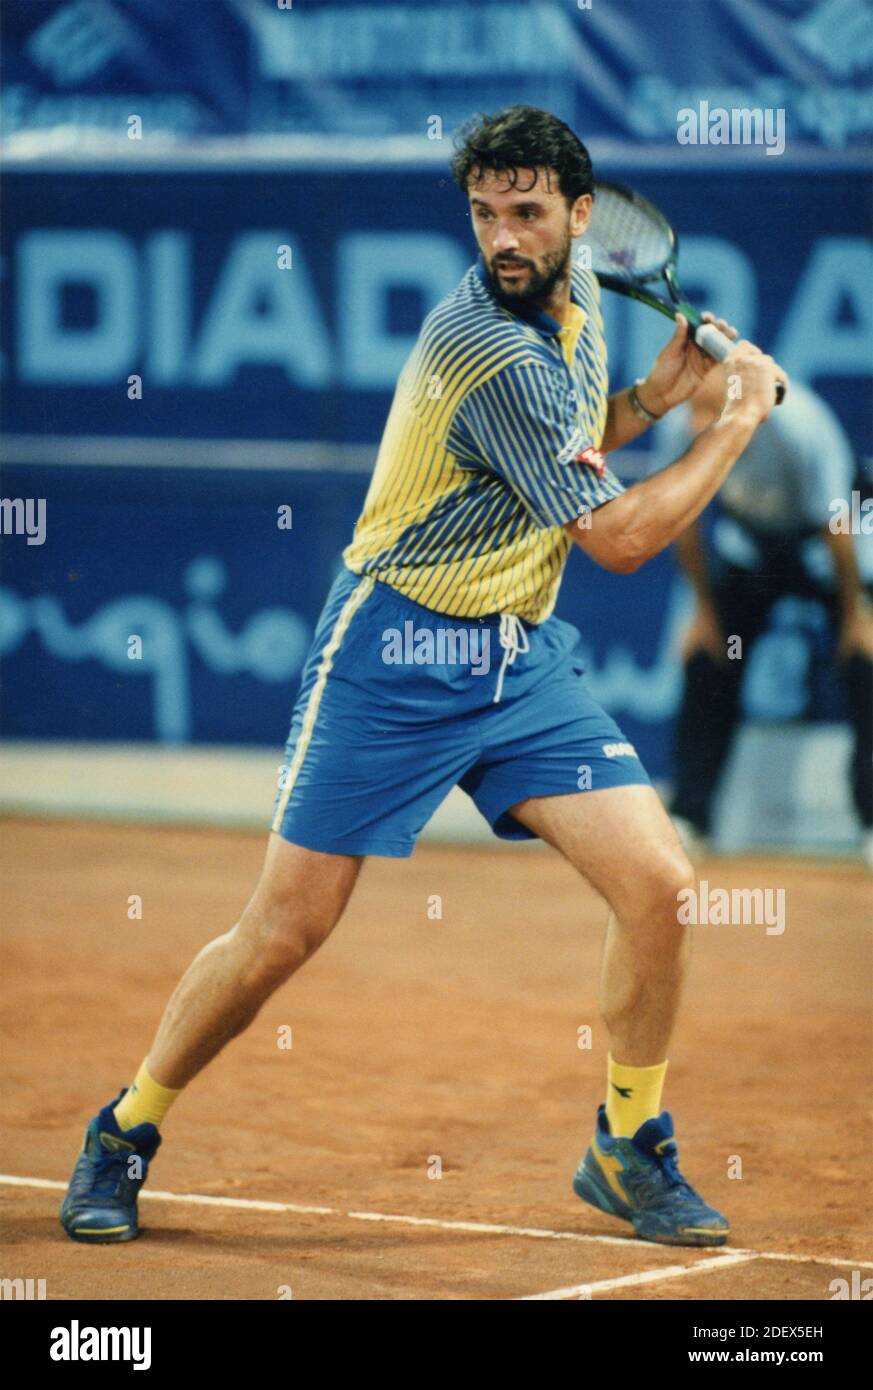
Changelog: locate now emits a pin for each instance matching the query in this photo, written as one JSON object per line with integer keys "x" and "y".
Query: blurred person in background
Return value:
{"x": 773, "y": 537}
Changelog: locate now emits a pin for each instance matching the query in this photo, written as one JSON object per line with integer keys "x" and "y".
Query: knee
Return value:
{"x": 281, "y": 937}
{"x": 662, "y": 894}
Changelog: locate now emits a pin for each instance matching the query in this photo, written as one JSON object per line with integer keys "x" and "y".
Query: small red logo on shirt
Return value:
{"x": 594, "y": 459}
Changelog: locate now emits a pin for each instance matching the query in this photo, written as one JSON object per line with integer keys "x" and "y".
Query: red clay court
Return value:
{"x": 304, "y": 1172}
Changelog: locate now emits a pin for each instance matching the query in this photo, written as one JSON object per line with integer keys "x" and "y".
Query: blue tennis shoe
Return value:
{"x": 100, "y": 1205}
{"x": 638, "y": 1179}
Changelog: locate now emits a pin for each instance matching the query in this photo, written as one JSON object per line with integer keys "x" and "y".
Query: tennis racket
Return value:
{"x": 632, "y": 246}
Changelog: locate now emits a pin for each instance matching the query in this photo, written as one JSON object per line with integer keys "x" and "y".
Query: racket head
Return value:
{"x": 631, "y": 245}
{"x": 629, "y": 240}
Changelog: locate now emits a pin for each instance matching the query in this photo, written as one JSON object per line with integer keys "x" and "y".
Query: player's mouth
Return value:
{"x": 510, "y": 269}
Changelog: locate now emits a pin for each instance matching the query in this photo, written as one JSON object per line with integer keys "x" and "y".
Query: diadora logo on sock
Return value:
{"x": 624, "y": 1091}
{"x": 75, "y": 1343}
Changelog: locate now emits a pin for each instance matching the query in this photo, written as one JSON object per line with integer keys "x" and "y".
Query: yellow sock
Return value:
{"x": 633, "y": 1095}
{"x": 146, "y": 1101}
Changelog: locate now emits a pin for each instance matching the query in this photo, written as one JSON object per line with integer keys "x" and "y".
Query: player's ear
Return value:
{"x": 580, "y": 214}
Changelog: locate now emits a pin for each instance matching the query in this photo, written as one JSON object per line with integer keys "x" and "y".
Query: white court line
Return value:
{"x": 642, "y": 1247}
{"x": 580, "y": 1291}
{"x": 531, "y": 1232}
{"x": 252, "y": 1204}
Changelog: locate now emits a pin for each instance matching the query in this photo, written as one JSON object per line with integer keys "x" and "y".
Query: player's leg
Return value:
{"x": 623, "y": 842}
{"x": 374, "y": 747}
{"x": 299, "y": 898}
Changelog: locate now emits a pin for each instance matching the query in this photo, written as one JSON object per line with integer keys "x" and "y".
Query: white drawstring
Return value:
{"x": 513, "y": 639}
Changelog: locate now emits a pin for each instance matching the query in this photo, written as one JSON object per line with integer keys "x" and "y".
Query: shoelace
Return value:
{"x": 106, "y": 1174}
{"x": 513, "y": 639}
{"x": 669, "y": 1165}
{"x": 665, "y": 1182}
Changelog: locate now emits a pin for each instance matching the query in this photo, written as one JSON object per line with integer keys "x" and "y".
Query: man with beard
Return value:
{"x": 491, "y": 465}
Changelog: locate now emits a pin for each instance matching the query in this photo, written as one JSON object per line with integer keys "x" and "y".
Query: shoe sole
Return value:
{"x": 587, "y": 1189}
{"x": 113, "y": 1236}
{"x": 689, "y": 1241}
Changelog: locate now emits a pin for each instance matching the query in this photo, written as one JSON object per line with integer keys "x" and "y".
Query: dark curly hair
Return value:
{"x": 522, "y": 137}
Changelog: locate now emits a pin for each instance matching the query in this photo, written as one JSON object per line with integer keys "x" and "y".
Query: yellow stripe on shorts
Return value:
{"x": 360, "y": 592}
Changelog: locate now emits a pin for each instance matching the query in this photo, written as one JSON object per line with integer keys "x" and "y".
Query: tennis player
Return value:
{"x": 437, "y": 662}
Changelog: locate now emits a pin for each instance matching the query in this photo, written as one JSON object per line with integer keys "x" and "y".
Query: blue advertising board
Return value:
{"x": 282, "y": 303}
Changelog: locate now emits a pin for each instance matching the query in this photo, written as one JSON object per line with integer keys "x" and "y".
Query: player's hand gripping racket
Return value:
{"x": 632, "y": 246}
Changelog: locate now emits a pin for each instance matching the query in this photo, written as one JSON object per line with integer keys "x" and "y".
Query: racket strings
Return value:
{"x": 626, "y": 240}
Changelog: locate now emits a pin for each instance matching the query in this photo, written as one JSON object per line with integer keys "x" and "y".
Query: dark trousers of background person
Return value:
{"x": 710, "y": 708}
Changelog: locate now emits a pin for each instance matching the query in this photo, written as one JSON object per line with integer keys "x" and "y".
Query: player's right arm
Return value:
{"x": 627, "y": 531}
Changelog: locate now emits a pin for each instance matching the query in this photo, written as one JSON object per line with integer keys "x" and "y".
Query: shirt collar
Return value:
{"x": 538, "y": 319}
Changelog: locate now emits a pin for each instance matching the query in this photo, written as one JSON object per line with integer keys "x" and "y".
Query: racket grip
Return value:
{"x": 714, "y": 343}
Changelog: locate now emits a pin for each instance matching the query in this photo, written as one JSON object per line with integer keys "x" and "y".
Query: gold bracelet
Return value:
{"x": 637, "y": 406}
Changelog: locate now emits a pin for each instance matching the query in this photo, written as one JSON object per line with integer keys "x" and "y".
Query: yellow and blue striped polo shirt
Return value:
{"x": 478, "y": 468}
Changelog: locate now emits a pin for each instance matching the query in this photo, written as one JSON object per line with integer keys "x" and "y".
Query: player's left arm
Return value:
{"x": 676, "y": 374}
{"x": 856, "y": 611}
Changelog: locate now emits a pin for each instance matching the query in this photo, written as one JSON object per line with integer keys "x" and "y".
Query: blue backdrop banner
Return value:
{"x": 281, "y": 304}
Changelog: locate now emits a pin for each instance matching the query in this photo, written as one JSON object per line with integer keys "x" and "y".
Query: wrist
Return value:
{"x": 739, "y": 418}
{"x": 644, "y": 406}
{"x": 649, "y": 398}
{"x": 741, "y": 413}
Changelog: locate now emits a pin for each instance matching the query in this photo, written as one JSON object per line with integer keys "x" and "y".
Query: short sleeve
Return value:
{"x": 525, "y": 425}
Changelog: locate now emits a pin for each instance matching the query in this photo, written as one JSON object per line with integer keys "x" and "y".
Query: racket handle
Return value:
{"x": 714, "y": 343}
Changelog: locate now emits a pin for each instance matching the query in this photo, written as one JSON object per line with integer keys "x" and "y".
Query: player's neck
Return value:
{"x": 556, "y": 306}
{"x": 559, "y": 310}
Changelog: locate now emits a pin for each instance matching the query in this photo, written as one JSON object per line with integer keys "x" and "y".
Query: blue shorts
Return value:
{"x": 397, "y": 706}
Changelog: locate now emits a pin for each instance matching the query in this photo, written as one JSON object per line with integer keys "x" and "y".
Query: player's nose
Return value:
{"x": 505, "y": 239}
